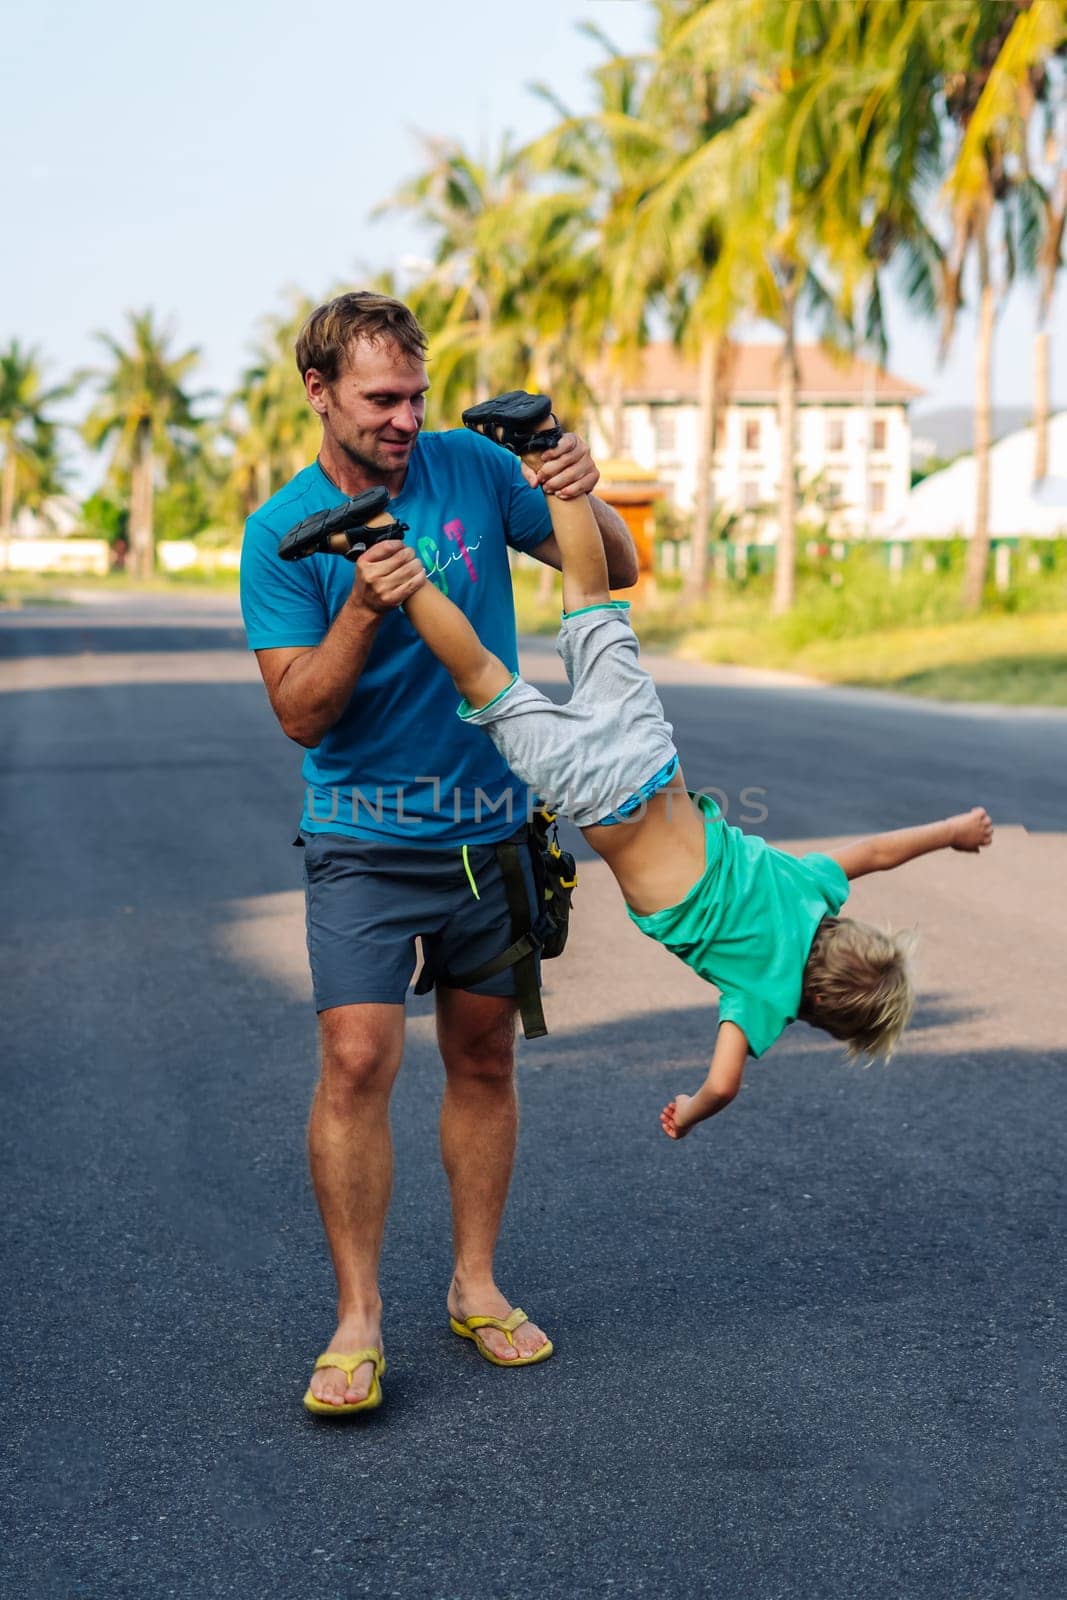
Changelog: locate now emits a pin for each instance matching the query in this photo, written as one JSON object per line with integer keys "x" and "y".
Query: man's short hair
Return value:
{"x": 324, "y": 340}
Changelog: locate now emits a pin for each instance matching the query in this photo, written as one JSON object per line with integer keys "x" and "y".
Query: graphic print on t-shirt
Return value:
{"x": 436, "y": 561}
{"x": 465, "y": 502}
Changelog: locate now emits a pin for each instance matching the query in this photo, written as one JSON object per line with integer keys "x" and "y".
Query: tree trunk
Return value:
{"x": 149, "y": 513}
{"x": 133, "y": 557}
{"x": 617, "y": 444}
{"x": 140, "y": 508}
{"x": 263, "y": 481}
{"x": 7, "y": 503}
{"x": 978, "y": 552}
{"x": 786, "y": 555}
{"x": 484, "y": 358}
{"x": 1041, "y": 404}
{"x": 136, "y": 520}
{"x": 1055, "y": 212}
{"x": 696, "y": 582}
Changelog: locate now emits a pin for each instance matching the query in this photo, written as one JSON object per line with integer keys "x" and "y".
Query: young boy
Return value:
{"x": 760, "y": 924}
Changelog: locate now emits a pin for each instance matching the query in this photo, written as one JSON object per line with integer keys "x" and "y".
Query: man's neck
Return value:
{"x": 351, "y": 477}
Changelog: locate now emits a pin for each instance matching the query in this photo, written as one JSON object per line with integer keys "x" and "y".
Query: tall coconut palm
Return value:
{"x": 1049, "y": 261}
{"x": 876, "y": 85}
{"x": 589, "y": 304}
{"x": 608, "y": 159}
{"x": 469, "y": 206}
{"x": 506, "y": 269}
{"x": 273, "y": 430}
{"x": 994, "y": 51}
{"x": 757, "y": 172}
{"x": 1043, "y": 207}
{"x": 684, "y": 237}
{"x": 30, "y": 465}
{"x": 146, "y": 415}
{"x": 657, "y": 231}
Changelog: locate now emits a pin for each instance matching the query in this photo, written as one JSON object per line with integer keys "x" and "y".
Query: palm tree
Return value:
{"x": 580, "y": 315}
{"x": 994, "y": 51}
{"x": 145, "y": 413}
{"x": 273, "y": 430}
{"x": 686, "y": 240}
{"x": 751, "y": 175}
{"x": 608, "y": 159}
{"x": 506, "y": 268}
{"x": 1043, "y": 208}
{"x": 1050, "y": 259}
{"x": 31, "y": 466}
{"x": 876, "y": 85}
{"x": 469, "y": 207}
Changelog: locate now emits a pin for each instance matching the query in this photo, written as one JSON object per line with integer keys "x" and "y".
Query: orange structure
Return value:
{"x": 633, "y": 492}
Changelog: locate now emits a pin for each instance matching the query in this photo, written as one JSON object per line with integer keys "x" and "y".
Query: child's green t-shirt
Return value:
{"x": 747, "y": 925}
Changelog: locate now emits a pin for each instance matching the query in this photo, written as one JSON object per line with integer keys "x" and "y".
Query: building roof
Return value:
{"x": 661, "y": 372}
{"x": 943, "y": 504}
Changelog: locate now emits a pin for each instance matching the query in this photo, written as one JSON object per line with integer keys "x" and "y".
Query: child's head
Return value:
{"x": 857, "y": 985}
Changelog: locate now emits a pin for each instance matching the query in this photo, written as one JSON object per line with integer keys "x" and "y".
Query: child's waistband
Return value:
{"x": 659, "y": 780}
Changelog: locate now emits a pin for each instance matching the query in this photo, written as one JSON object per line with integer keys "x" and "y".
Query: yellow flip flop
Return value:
{"x": 348, "y": 1364}
{"x": 468, "y": 1329}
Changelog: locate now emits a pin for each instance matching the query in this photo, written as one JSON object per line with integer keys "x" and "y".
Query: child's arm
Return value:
{"x": 718, "y": 1089}
{"x": 969, "y": 831}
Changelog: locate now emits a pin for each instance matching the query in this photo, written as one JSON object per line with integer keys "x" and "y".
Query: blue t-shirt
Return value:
{"x": 399, "y": 764}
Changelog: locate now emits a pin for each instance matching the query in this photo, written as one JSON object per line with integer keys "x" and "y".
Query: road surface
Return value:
{"x": 814, "y": 1351}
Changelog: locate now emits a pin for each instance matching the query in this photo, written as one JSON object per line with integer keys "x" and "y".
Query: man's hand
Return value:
{"x": 386, "y": 575}
{"x": 971, "y": 830}
{"x": 569, "y": 470}
{"x": 672, "y": 1117}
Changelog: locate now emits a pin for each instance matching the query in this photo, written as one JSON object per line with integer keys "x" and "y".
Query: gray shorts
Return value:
{"x": 587, "y": 758}
{"x": 367, "y": 902}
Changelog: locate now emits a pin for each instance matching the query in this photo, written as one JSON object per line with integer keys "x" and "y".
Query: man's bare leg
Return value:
{"x": 476, "y": 1036}
{"x": 351, "y": 1157}
{"x": 479, "y": 1126}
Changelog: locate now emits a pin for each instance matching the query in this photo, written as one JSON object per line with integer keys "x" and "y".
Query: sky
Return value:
{"x": 201, "y": 159}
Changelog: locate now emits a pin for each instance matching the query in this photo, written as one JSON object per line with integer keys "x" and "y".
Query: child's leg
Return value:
{"x": 585, "y": 567}
{"x": 477, "y": 673}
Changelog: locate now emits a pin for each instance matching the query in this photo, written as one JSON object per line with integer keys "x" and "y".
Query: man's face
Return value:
{"x": 375, "y": 408}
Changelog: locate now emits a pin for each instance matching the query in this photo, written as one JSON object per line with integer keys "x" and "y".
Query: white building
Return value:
{"x": 943, "y": 505}
{"x": 58, "y": 518}
{"x": 853, "y": 435}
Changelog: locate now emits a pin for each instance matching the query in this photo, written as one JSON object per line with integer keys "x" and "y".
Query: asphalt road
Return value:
{"x": 815, "y": 1351}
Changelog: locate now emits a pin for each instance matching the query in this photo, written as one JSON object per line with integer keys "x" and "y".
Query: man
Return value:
{"x": 403, "y": 802}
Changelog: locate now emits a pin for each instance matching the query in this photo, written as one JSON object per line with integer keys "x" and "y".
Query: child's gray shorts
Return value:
{"x": 584, "y": 759}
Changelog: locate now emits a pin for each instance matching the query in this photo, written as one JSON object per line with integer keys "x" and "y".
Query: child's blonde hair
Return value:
{"x": 857, "y": 985}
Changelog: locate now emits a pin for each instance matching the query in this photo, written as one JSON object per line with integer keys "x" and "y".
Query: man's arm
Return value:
{"x": 718, "y": 1089}
{"x": 309, "y": 688}
{"x": 970, "y": 831}
{"x": 569, "y": 471}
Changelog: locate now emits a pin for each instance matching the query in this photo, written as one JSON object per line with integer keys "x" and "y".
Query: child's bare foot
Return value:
{"x": 513, "y": 419}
